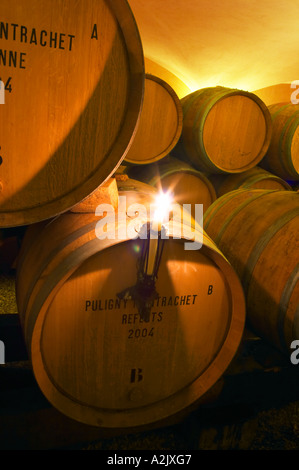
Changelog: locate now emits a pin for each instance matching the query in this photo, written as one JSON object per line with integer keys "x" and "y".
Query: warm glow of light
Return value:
{"x": 163, "y": 204}
{"x": 236, "y": 44}
{"x": 173, "y": 80}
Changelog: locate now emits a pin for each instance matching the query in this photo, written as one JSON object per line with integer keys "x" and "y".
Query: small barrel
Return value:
{"x": 93, "y": 356}
{"x": 224, "y": 130}
{"x": 255, "y": 178}
{"x": 185, "y": 183}
{"x": 74, "y": 81}
{"x": 160, "y": 124}
{"x": 257, "y": 230}
{"x": 282, "y": 157}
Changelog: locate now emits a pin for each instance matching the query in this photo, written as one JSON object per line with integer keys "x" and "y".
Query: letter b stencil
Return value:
{"x": 136, "y": 375}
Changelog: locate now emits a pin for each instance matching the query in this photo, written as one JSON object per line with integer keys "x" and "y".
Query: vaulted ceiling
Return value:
{"x": 246, "y": 44}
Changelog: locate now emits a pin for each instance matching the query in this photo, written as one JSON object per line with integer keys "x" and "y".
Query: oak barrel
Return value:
{"x": 160, "y": 124}
{"x": 255, "y": 178}
{"x": 225, "y": 130}
{"x": 257, "y": 230}
{"x": 93, "y": 356}
{"x": 185, "y": 183}
{"x": 74, "y": 78}
{"x": 282, "y": 157}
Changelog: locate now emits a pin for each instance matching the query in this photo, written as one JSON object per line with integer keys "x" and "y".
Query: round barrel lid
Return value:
{"x": 72, "y": 78}
{"x": 160, "y": 124}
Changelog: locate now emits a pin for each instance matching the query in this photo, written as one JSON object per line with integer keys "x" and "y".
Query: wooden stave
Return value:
{"x": 280, "y": 327}
{"x": 279, "y": 158}
{"x": 255, "y": 178}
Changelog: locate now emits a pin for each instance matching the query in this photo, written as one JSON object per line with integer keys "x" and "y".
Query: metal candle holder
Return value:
{"x": 144, "y": 291}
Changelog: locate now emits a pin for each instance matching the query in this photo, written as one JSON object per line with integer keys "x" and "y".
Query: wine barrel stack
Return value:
{"x": 99, "y": 362}
{"x": 99, "y": 130}
{"x": 258, "y": 232}
{"x": 248, "y": 152}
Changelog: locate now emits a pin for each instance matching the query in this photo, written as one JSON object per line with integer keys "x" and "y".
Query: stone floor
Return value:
{"x": 273, "y": 429}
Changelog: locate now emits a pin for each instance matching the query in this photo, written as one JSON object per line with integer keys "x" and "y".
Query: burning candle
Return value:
{"x": 161, "y": 215}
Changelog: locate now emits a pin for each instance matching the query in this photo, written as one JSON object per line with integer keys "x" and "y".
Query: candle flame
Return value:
{"x": 163, "y": 205}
